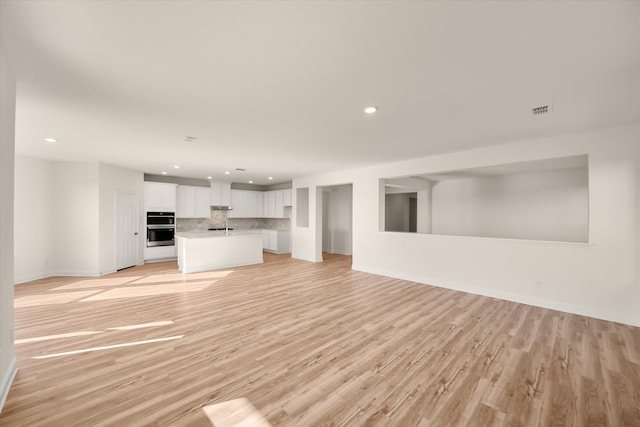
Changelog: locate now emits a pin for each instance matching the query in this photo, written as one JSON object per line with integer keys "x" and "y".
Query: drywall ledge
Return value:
{"x": 507, "y": 296}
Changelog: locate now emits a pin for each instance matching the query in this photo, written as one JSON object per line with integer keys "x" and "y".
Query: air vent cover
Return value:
{"x": 543, "y": 109}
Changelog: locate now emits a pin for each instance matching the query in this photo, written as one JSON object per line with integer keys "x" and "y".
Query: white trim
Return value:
{"x": 32, "y": 277}
{"x": 508, "y": 296}
{"x": 237, "y": 263}
{"x": 152, "y": 260}
{"x": 7, "y": 380}
{"x": 75, "y": 273}
{"x": 61, "y": 273}
{"x": 304, "y": 258}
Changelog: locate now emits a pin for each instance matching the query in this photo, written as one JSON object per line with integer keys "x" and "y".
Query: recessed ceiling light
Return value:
{"x": 270, "y": 178}
{"x": 164, "y": 173}
{"x": 370, "y": 110}
{"x": 176, "y": 166}
{"x": 227, "y": 172}
{"x": 209, "y": 177}
{"x": 250, "y": 182}
{"x": 51, "y": 140}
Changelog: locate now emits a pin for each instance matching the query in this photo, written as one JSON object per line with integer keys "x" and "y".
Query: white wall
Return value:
{"x": 34, "y": 221}
{"x": 545, "y": 205}
{"x": 336, "y": 220}
{"x": 599, "y": 279}
{"x": 70, "y": 207}
{"x": 76, "y": 207}
{"x": 114, "y": 179}
{"x": 7, "y": 153}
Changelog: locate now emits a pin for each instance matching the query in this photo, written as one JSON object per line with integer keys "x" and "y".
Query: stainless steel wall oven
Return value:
{"x": 161, "y": 228}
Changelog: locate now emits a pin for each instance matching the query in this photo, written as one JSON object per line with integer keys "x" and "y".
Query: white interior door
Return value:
{"x": 126, "y": 230}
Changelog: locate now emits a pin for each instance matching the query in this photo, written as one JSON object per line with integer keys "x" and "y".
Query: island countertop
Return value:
{"x": 207, "y": 234}
{"x": 211, "y": 250}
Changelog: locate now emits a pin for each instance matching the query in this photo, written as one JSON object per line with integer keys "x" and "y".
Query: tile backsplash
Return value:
{"x": 218, "y": 218}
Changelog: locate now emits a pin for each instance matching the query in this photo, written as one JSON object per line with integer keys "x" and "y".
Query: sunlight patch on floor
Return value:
{"x": 108, "y": 347}
{"x": 141, "y": 325}
{"x": 150, "y": 290}
{"x": 55, "y": 337}
{"x": 97, "y": 283}
{"x": 235, "y": 413}
{"x": 85, "y": 333}
{"x": 47, "y": 299}
{"x": 179, "y": 277}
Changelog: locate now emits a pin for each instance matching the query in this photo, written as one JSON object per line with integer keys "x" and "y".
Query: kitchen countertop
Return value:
{"x": 207, "y": 234}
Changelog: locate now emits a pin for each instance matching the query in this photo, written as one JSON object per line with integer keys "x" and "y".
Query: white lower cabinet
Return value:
{"x": 276, "y": 241}
{"x": 159, "y": 253}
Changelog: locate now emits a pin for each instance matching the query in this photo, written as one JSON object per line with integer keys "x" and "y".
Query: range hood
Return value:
{"x": 221, "y": 208}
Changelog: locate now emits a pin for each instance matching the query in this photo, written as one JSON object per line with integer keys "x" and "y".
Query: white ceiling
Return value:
{"x": 279, "y": 88}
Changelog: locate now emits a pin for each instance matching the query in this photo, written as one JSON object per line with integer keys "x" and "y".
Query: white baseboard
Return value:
{"x": 74, "y": 273}
{"x": 70, "y": 273}
{"x": 149, "y": 261}
{"x": 7, "y": 380}
{"x": 627, "y": 319}
{"x": 32, "y": 277}
{"x": 303, "y": 257}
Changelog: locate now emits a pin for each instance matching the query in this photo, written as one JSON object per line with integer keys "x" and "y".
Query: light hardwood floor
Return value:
{"x": 294, "y": 343}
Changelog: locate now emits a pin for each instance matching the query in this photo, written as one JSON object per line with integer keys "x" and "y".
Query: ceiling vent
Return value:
{"x": 543, "y": 109}
{"x": 241, "y": 169}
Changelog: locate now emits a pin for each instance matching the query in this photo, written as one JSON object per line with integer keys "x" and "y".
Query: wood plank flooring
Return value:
{"x": 293, "y": 343}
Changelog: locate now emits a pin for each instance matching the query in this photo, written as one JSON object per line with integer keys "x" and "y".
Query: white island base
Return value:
{"x": 202, "y": 251}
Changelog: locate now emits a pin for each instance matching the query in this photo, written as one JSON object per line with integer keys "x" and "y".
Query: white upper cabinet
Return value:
{"x": 259, "y": 204}
{"x": 237, "y": 203}
{"x": 185, "y": 201}
{"x": 245, "y": 204}
{"x": 221, "y": 193}
{"x": 287, "y": 197}
{"x": 260, "y": 213}
{"x": 203, "y": 202}
{"x": 270, "y": 196}
{"x": 279, "y": 209}
{"x": 193, "y": 202}
{"x": 250, "y": 208}
{"x": 159, "y": 197}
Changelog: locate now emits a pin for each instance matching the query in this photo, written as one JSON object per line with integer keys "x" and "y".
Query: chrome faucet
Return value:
{"x": 226, "y": 227}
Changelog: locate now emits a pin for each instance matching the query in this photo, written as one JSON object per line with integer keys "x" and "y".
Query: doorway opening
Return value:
{"x": 337, "y": 221}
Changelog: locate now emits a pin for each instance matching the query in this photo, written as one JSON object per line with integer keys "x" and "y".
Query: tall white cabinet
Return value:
{"x": 159, "y": 197}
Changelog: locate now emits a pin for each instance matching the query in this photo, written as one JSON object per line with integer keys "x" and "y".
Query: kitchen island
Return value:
{"x": 205, "y": 250}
